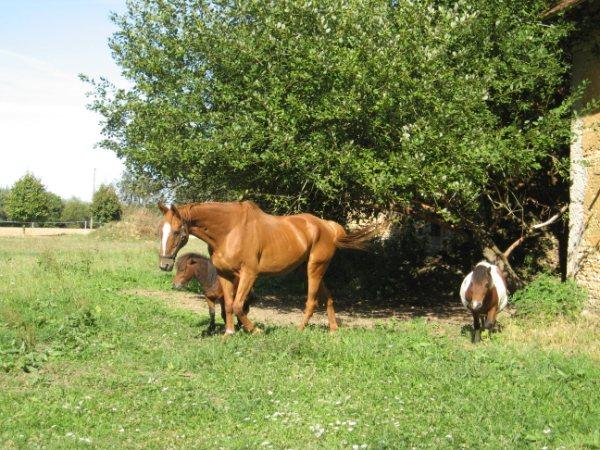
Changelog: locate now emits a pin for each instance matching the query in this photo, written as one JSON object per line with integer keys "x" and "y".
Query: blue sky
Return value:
{"x": 44, "y": 125}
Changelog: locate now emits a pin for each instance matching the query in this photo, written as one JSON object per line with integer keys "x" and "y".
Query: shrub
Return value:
{"x": 75, "y": 210}
{"x": 136, "y": 223}
{"x": 548, "y": 297}
{"x": 106, "y": 206}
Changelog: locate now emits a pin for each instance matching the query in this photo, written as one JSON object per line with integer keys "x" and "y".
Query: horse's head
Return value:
{"x": 187, "y": 266}
{"x": 481, "y": 283}
{"x": 174, "y": 234}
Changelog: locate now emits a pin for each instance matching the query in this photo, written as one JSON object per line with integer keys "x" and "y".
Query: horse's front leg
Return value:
{"x": 476, "y": 328}
{"x": 490, "y": 319}
{"x": 246, "y": 281}
{"x": 228, "y": 292}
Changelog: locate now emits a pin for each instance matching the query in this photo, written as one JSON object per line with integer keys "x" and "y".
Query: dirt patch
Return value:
{"x": 29, "y": 231}
{"x": 288, "y": 310}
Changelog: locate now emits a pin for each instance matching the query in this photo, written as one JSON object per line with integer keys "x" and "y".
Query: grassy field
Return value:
{"x": 83, "y": 362}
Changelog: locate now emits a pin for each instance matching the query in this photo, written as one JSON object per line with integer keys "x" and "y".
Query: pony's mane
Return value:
{"x": 481, "y": 274}
{"x": 183, "y": 259}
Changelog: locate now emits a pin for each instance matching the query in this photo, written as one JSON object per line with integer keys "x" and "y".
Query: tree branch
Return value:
{"x": 533, "y": 229}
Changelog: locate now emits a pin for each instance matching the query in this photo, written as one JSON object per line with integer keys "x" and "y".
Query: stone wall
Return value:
{"x": 584, "y": 212}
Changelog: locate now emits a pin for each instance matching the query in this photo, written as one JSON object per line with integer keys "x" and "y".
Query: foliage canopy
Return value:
{"x": 75, "y": 210}
{"x": 29, "y": 201}
{"x": 105, "y": 205}
{"x": 453, "y": 109}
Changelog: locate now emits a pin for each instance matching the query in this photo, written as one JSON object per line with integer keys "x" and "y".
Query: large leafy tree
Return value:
{"x": 450, "y": 110}
{"x": 138, "y": 189}
{"x": 106, "y": 206}
{"x": 29, "y": 201}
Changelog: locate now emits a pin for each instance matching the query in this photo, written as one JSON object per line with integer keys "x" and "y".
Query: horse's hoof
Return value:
{"x": 257, "y": 330}
{"x": 333, "y": 330}
{"x": 227, "y": 334}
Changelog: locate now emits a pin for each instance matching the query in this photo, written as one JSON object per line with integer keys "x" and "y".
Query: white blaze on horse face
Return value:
{"x": 166, "y": 231}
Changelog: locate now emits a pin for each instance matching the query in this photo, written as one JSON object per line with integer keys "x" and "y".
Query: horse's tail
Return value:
{"x": 358, "y": 239}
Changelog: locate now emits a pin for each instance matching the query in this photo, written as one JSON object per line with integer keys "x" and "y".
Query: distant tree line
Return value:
{"x": 28, "y": 201}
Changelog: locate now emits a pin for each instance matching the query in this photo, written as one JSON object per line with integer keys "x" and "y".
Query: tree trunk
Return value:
{"x": 493, "y": 254}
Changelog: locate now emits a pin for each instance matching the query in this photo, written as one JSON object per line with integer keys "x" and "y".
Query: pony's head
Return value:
{"x": 187, "y": 266}
{"x": 174, "y": 234}
{"x": 481, "y": 283}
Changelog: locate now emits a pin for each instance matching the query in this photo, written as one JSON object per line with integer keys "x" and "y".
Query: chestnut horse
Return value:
{"x": 484, "y": 293}
{"x": 247, "y": 242}
{"x": 195, "y": 266}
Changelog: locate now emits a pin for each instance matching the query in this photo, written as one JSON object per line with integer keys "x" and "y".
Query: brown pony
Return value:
{"x": 247, "y": 242}
{"x": 484, "y": 293}
{"x": 195, "y": 266}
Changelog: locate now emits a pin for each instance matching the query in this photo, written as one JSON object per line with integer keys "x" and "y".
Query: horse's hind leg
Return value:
{"x": 315, "y": 273}
{"x": 326, "y": 295}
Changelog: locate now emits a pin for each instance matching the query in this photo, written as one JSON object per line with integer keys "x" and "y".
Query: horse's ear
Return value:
{"x": 176, "y": 212}
{"x": 489, "y": 270}
{"x": 162, "y": 207}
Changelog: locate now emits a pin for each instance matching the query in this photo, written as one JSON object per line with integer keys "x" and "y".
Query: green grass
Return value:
{"x": 83, "y": 363}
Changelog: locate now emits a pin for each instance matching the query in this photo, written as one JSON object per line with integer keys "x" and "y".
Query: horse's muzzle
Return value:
{"x": 476, "y": 306}
{"x": 166, "y": 263}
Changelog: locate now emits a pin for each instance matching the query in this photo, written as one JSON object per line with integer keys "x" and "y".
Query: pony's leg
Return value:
{"x": 243, "y": 289}
{"x": 315, "y": 277}
{"x": 476, "y": 328}
{"x": 490, "y": 320}
{"x": 222, "y": 304}
{"x": 227, "y": 287}
{"x": 211, "y": 312}
{"x": 326, "y": 295}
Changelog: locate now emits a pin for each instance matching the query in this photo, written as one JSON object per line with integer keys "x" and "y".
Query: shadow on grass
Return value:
{"x": 287, "y": 295}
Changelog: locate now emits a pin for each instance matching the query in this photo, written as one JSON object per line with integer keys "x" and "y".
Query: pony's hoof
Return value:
{"x": 257, "y": 330}
{"x": 333, "y": 331}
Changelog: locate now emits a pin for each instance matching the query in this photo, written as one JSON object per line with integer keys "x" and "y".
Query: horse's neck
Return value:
{"x": 211, "y": 222}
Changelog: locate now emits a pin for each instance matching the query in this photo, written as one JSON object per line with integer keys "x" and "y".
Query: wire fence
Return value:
{"x": 83, "y": 224}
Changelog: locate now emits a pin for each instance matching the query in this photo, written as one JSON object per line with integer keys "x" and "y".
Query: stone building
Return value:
{"x": 583, "y": 260}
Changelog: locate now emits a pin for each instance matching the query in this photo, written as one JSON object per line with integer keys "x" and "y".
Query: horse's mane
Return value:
{"x": 481, "y": 274}
{"x": 185, "y": 209}
{"x": 251, "y": 204}
{"x": 183, "y": 259}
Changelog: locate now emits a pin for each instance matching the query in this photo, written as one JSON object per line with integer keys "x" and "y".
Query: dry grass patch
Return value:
{"x": 571, "y": 337}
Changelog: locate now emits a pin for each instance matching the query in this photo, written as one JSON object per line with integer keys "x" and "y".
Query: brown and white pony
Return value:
{"x": 484, "y": 292}
{"x": 195, "y": 266}
{"x": 246, "y": 243}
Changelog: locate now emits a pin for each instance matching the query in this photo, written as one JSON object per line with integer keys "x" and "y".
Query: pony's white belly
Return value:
{"x": 501, "y": 288}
